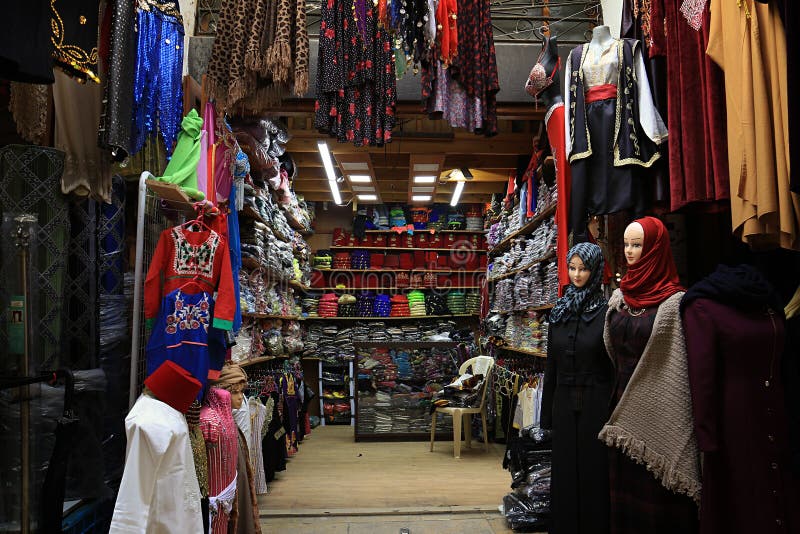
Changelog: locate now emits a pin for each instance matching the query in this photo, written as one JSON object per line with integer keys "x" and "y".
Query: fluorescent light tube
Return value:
{"x": 360, "y": 178}
{"x": 424, "y": 179}
{"x": 457, "y": 193}
{"x": 327, "y": 162}
{"x": 368, "y": 197}
{"x": 421, "y": 189}
{"x": 420, "y": 198}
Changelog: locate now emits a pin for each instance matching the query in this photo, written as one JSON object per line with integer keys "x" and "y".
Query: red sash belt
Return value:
{"x": 601, "y": 92}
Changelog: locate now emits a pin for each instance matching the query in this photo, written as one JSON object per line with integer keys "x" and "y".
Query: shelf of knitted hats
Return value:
{"x": 524, "y": 230}
{"x": 529, "y": 352}
{"x": 547, "y": 257}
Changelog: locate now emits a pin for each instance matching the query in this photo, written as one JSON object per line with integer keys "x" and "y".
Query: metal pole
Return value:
{"x": 138, "y": 283}
{"x": 22, "y": 242}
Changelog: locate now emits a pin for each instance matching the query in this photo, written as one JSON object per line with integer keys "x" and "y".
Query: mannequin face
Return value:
{"x": 634, "y": 241}
{"x": 237, "y": 396}
{"x": 578, "y": 273}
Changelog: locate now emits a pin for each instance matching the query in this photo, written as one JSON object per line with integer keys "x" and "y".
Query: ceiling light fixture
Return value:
{"x": 362, "y": 188}
{"x": 327, "y": 162}
{"x": 422, "y": 189}
{"x": 424, "y": 179}
{"x": 457, "y": 193}
{"x": 360, "y": 178}
{"x": 367, "y": 197}
{"x": 420, "y": 198}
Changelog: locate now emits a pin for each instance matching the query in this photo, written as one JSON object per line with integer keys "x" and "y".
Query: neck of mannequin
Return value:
{"x": 601, "y": 36}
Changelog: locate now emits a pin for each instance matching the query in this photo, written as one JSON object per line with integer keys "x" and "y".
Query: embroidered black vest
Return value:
{"x": 631, "y": 144}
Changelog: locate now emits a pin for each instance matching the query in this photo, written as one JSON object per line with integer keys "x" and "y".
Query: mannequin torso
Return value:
{"x": 601, "y": 40}
{"x": 544, "y": 81}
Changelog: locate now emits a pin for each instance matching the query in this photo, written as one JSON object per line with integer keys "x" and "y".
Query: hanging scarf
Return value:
{"x": 741, "y": 287}
{"x": 654, "y": 277}
{"x": 586, "y": 299}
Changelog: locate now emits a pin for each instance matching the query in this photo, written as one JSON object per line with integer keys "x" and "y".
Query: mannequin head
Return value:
{"x": 233, "y": 379}
{"x": 633, "y": 238}
{"x": 579, "y": 274}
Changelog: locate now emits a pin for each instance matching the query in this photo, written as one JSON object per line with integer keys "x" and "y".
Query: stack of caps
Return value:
{"x": 457, "y": 302}
{"x": 416, "y": 303}
{"x": 347, "y": 305}
{"x": 429, "y": 279}
{"x": 328, "y": 305}
{"x": 473, "y": 303}
{"x": 364, "y": 304}
{"x": 397, "y": 217}
{"x": 402, "y": 279}
{"x": 323, "y": 259}
{"x": 436, "y": 304}
{"x": 382, "y": 306}
{"x": 310, "y": 305}
{"x": 341, "y": 260}
{"x": 400, "y": 307}
{"x": 359, "y": 259}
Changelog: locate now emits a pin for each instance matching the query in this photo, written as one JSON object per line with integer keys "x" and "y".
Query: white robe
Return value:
{"x": 159, "y": 492}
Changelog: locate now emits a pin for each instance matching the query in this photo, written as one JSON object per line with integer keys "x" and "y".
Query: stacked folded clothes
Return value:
{"x": 416, "y": 303}
{"x": 397, "y": 216}
{"x": 341, "y": 260}
{"x": 402, "y": 279}
{"x": 359, "y": 259}
{"x": 436, "y": 304}
{"x": 473, "y": 303}
{"x": 364, "y": 304}
{"x": 457, "y": 302}
{"x": 310, "y": 305}
{"x": 347, "y": 305}
{"x": 400, "y": 306}
{"x": 323, "y": 259}
{"x": 328, "y": 305}
{"x": 382, "y": 306}
{"x": 395, "y": 333}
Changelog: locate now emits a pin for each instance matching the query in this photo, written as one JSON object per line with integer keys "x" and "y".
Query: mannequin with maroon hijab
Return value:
{"x": 639, "y": 503}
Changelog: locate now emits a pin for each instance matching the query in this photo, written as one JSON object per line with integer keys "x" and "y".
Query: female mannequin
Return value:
{"x": 577, "y": 388}
{"x": 735, "y": 334}
{"x": 653, "y": 459}
{"x": 610, "y": 133}
{"x": 544, "y": 84}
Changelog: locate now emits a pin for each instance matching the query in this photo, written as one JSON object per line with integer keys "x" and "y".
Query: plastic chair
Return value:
{"x": 480, "y": 365}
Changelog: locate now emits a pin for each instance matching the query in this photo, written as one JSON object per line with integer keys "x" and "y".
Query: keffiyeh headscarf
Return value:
{"x": 578, "y": 300}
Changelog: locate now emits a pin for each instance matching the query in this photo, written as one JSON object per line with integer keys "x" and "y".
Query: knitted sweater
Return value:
{"x": 652, "y": 423}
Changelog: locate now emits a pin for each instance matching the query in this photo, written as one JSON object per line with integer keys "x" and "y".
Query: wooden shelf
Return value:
{"x": 543, "y": 259}
{"x": 427, "y": 231}
{"x": 413, "y": 271}
{"x": 531, "y": 309}
{"x": 418, "y": 249}
{"x": 389, "y": 288}
{"x": 526, "y": 229}
{"x": 409, "y": 318}
{"x": 271, "y": 316}
{"x": 262, "y": 359}
{"x": 529, "y": 352}
{"x": 404, "y": 344}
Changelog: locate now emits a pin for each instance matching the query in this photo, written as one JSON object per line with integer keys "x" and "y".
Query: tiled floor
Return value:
{"x": 464, "y": 523}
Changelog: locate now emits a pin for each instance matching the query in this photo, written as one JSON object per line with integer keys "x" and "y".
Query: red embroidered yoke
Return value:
{"x": 200, "y": 259}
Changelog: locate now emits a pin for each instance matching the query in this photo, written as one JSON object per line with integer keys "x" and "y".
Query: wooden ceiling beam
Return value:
{"x": 509, "y": 144}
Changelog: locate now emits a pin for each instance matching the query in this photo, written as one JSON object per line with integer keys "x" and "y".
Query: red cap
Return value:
{"x": 173, "y": 385}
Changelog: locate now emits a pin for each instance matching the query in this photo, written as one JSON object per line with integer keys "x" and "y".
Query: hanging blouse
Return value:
{"x": 181, "y": 257}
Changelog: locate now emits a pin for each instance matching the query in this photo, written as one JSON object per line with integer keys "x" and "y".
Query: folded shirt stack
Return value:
{"x": 323, "y": 260}
{"x": 364, "y": 304}
{"x": 382, "y": 306}
{"x": 457, "y": 302}
{"x": 400, "y": 306}
{"x": 473, "y": 303}
{"x": 328, "y": 305}
{"x": 416, "y": 303}
{"x": 436, "y": 304}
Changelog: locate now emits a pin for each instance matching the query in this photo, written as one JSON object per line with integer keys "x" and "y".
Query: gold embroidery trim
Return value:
{"x": 588, "y": 152}
{"x": 73, "y": 56}
{"x": 166, "y": 7}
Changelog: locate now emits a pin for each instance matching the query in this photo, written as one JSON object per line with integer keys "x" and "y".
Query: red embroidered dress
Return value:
{"x": 183, "y": 257}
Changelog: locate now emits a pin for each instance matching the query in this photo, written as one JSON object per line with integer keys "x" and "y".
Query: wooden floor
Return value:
{"x": 331, "y": 473}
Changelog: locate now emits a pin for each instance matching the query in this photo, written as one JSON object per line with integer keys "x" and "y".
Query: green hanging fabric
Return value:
{"x": 182, "y": 167}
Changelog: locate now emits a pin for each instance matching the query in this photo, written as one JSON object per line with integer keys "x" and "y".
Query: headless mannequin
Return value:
{"x": 601, "y": 40}
{"x": 549, "y": 60}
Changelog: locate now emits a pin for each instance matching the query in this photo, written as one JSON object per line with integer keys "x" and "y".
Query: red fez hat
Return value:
{"x": 173, "y": 384}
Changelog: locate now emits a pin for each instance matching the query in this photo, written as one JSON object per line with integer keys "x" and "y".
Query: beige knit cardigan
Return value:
{"x": 653, "y": 423}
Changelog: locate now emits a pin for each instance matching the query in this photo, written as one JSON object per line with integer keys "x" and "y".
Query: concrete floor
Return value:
{"x": 447, "y": 523}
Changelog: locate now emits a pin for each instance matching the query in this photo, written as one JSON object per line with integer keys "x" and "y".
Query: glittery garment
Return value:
{"x": 222, "y": 443}
{"x": 74, "y": 36}
{"x": 158, "y": 76}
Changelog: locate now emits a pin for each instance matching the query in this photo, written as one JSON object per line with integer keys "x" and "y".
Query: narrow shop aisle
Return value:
{"x": 461, "y": 523}
{"x": 333, "y": 473}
